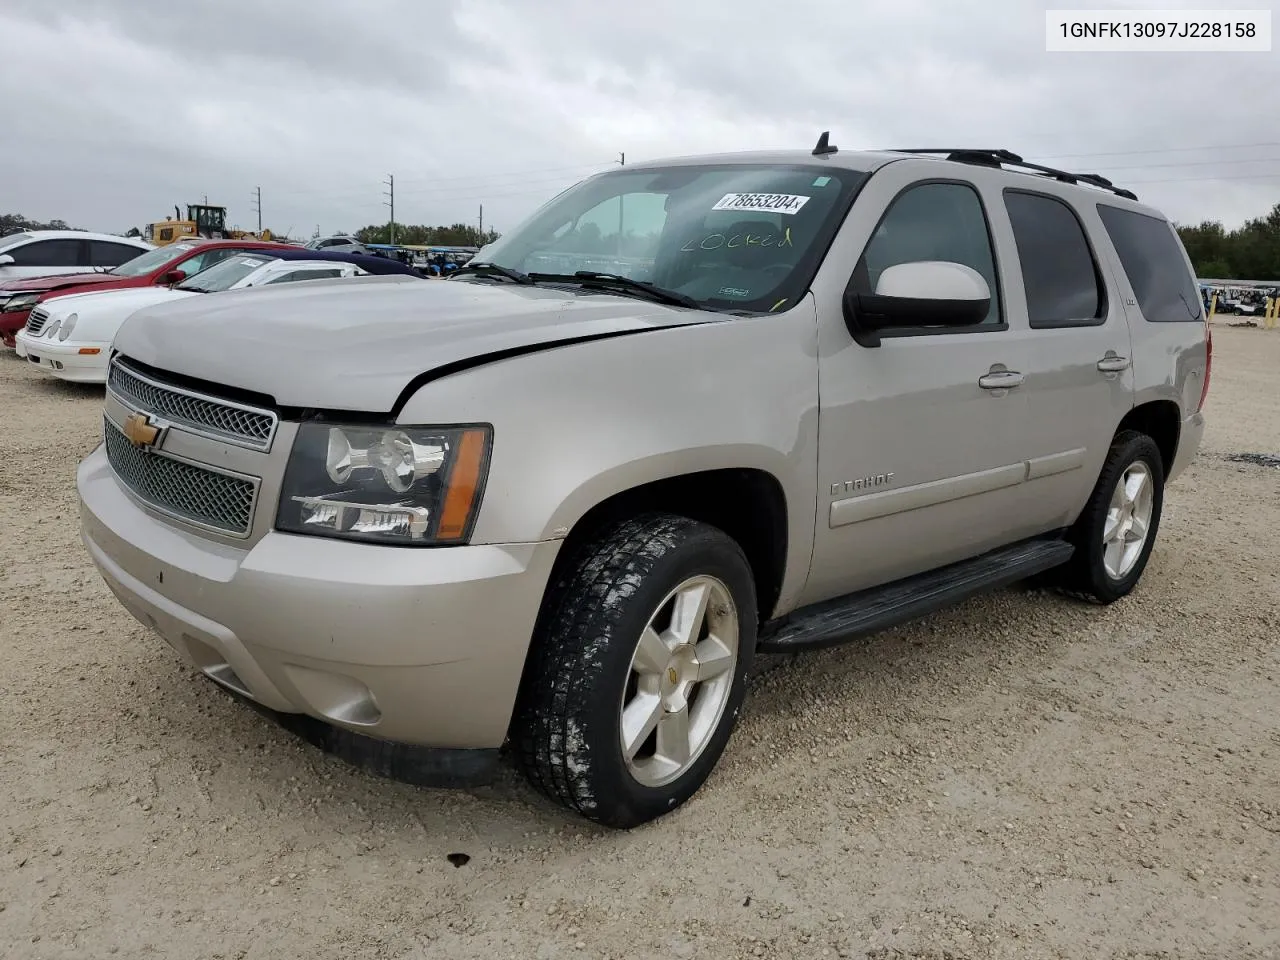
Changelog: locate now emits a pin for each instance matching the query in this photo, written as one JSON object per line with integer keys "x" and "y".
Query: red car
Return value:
{"x": 162, "y": 266}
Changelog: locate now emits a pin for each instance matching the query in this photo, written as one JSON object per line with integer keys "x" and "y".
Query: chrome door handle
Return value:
{"x": 1113, "y": 364}
{"x": 1001, "y": 380}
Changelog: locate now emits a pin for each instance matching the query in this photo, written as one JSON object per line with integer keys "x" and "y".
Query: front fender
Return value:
{"x": 577, "y": 424}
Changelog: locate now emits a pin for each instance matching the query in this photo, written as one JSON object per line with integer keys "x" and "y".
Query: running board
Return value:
{"x": 878, "y": 608}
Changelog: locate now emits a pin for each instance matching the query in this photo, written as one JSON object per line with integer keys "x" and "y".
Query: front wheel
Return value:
{"x": 1116, "y": 532}
{"x": 638, "y": 670}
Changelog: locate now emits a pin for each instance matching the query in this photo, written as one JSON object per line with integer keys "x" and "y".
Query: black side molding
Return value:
{"x": 869, "y": 611}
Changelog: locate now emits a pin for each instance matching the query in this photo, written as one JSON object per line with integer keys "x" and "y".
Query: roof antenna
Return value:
{"x": 824, "y": 145}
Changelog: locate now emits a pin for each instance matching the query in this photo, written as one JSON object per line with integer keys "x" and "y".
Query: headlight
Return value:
{"x": 67, "y": 326}
{"x": 417, "y": 486}
{"x": 51, "y": 329}
{"x": 23, "y": 301}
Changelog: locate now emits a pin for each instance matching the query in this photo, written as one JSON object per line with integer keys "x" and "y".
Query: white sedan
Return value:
{"x": 70, "y": 337}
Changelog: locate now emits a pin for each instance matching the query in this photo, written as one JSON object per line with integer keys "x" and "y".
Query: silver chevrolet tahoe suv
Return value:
{"x": 689, "y": 411}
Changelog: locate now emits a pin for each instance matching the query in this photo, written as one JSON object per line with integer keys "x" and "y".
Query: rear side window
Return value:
{"x": 294, "y": 275}
{"x": 1152, "y": 257}
{"x": 104, "y": 253}
{"x": 206, "y": 259}
{"x": 49, "y": 253}
{"x": 1058, "y": 270}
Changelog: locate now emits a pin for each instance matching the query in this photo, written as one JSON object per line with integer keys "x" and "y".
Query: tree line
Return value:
{"x": 16, "y": 223}
{"x": 1250, "y": 252}
{"x": 456, "y": 235}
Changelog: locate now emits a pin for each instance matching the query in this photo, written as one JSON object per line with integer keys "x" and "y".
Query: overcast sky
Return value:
{"x": 112, "y": 112}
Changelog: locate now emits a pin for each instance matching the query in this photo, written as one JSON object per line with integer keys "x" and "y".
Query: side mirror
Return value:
{"x": 5, "y": 259}
{"x": 922, "y": 293}
{"x": 174, "y": 276}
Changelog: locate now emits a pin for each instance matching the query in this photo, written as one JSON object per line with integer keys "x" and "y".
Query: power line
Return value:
{"x": 525, "y": 172}
{"x": 469, "y": 185}
{"x": 1135, "y": 153}
{"x": 427, "y": 191}
{"x": 495, "y": 178}
{"x": 480, "y": 187}
{"x": 1246, "y": 176}
{"x": 1194, "y": 163}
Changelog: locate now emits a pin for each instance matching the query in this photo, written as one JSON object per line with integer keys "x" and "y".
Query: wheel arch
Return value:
{"x": 1161, "y": 420}
{"x": 747, "y": 503}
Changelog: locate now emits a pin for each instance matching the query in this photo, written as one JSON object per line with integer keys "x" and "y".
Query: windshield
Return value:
{"x": 737, "y": 237}
{"x": 224, "y": 275}
{"x": 151, "y": 260}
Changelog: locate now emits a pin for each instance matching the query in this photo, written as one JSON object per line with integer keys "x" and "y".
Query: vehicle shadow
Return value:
{"x": 53, "y": 388}
{"x": 898, "y": 670}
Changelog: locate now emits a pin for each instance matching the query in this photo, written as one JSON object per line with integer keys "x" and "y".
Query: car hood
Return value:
{"x": 41, "y": 284}
{"x": 126, "y": 300}
{"x": 355, "y": 344}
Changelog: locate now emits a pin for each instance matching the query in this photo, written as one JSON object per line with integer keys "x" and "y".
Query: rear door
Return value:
{"x": 1079, "y": 382}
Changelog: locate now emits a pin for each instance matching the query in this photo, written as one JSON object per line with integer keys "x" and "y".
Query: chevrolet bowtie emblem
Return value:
{"x": 139, "y": 431}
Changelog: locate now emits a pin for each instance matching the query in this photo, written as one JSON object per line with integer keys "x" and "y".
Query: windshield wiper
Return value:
{"x": 487, "y": 269}
{"x": 606, "y": 281}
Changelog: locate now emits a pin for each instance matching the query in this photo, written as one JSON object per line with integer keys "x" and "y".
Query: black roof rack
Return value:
{"x": 1002, "y": 158}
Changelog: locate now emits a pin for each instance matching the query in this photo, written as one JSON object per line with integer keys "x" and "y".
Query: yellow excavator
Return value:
{"x": 202, "y": 220}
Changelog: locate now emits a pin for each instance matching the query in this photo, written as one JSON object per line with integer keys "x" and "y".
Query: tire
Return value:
{"x": 1087, "y": 573}
{"x": 569, "y": 719}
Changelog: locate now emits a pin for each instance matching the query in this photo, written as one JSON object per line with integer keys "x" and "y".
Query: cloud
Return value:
{"x": 113, "y": 112}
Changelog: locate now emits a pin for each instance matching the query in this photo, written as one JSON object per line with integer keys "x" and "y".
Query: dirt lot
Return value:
{"x": 1024, "y": 776}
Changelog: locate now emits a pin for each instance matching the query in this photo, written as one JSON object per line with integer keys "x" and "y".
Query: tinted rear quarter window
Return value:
{"x": 104, "y": 253}
{"x": 1152, "y": 257}
{"x": 1059, "y": 273}
{"x": 49, "y": 253}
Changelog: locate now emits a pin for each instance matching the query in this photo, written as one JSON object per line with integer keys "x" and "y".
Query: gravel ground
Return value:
{"x": 1023, "y": 776}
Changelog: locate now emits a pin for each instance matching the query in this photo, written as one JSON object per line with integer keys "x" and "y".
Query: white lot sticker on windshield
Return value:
{"x": 253, "y": 261}
{"x": 762, "y": 202}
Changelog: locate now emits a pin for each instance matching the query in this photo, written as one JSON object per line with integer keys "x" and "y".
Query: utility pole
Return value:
{"x": 257, "y": 205}
{"x": 482, "y": 224}
{"x": 391, "y": 192}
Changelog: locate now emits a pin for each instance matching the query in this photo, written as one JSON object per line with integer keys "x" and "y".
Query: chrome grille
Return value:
{"x": 220, "y": 419}
{"x": 36, "y": 320}
{"x": 199, "y": 495}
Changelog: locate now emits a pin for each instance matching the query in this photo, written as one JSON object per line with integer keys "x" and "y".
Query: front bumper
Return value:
{"x": 66, "y": 359}
{"x": 10, "y": 323}
{"x": 417, "y": 646}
